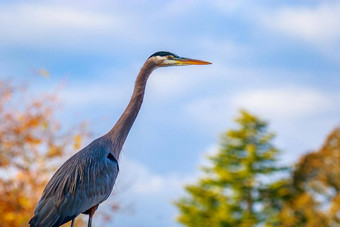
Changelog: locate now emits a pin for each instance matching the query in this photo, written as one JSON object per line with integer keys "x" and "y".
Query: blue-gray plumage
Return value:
{"x": 87, "y": 178}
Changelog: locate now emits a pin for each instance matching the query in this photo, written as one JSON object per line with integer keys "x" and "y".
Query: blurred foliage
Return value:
{"x": 314, "y": 189}
{"x": 238, "y": 190}
{"x": 235, "y": 190}
{"x": 32, "y": 144}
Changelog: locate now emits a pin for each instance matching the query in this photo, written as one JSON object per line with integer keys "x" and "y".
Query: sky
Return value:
{"x": 279, "y": 60}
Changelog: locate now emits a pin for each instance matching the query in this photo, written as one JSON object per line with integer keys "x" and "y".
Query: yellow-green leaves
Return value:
{"x": 232, "y": 193}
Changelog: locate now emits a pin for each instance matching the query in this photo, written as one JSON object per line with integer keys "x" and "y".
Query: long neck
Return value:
{"x": 119, "y": 132}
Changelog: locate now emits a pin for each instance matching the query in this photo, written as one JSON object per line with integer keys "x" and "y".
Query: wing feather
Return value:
{"x": 83, "y": 181}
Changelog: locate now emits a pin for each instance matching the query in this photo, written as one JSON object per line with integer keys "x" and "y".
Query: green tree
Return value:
{"x": 237, "y": 189}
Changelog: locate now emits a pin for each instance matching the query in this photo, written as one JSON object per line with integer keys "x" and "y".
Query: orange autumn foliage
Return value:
{"x": 315, "y": 188}
{"x": 32, "y": 146}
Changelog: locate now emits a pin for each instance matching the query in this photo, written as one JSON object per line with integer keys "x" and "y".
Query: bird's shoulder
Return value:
{"x": 83, "y": 167}
{"x": 83, "y": 181}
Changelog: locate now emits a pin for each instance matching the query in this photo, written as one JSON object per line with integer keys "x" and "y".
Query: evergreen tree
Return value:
{"x": 237, "y": 188}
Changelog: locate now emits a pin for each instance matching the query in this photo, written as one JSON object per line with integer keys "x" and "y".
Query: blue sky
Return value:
{"x": 277, "y": 59}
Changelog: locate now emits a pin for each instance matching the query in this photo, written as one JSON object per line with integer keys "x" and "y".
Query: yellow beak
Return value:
{"x": 189, "y": 61}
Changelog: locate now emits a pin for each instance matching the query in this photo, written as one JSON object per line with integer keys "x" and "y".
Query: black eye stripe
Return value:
{"x": 163, "y": 54}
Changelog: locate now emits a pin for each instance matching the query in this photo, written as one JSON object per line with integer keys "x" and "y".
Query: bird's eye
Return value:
{"x": 169, "y": 57}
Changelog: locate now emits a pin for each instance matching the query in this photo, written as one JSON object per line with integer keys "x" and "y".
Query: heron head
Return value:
{"x": 164, "y": 58}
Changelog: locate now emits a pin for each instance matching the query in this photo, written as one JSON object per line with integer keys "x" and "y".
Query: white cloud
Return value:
{"x": 143, "y": 182}
{"x": 302, "y": 116}
{"x": 319, "y": 24}
{"x": 35, "y": 24}
{"x": 284, "y": 102}
{"x": 281, "y": 104}
{"x": 149, "y": 194}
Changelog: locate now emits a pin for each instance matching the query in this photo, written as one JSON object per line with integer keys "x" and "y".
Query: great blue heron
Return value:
{"x": 87, "y": 178}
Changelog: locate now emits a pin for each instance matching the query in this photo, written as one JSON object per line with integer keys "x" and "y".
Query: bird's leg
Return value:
{"x": 72, "y": 222}
{"x": 89, "y": 224}
{"x": 91, "y": 213}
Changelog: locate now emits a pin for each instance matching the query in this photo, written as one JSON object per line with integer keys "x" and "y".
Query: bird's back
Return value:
{"x": 83, "y": 181}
